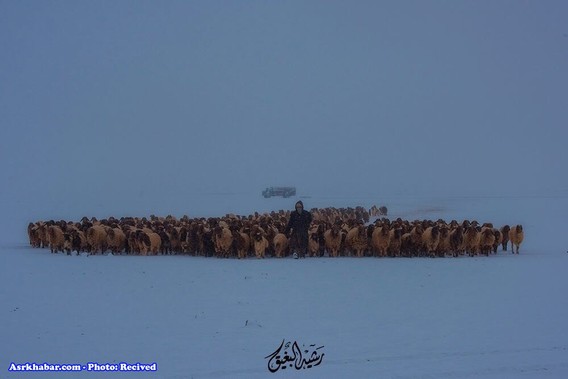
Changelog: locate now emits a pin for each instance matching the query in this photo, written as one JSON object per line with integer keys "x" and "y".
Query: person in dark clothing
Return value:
{"x": 299, "y": 224}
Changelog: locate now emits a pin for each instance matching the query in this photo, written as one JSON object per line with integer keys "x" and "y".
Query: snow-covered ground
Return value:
{"x": 503, "y": 316}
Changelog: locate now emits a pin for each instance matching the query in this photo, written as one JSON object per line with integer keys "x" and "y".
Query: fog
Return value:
{"x": 116, "y": 104}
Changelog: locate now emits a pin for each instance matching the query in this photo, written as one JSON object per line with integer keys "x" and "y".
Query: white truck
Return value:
{"x": 279, "y": 191}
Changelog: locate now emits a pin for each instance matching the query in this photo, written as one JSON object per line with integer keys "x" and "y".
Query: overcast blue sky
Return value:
{"x": 110, "y": 99}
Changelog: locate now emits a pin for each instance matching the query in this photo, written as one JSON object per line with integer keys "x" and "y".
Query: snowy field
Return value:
{"x": 503, "y": 316}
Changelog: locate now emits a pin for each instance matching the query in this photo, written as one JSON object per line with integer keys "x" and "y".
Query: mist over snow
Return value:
{"x": 121, "y": 104}
{"x": 434, "y": 109}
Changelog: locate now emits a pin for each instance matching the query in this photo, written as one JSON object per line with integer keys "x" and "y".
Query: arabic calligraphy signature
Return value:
{"x": 293, "y": 356}
{"x": 274, "y": 363}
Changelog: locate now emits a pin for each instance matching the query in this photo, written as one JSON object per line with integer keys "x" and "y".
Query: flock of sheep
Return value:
{"x": 333, "y": 232}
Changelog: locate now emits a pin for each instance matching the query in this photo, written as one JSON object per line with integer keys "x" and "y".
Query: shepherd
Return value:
{"x": 297, "y": 230}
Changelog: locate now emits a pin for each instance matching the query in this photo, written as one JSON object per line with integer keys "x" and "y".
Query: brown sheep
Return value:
{"x": 97, "y": 239}
{"x": 406, "y": 245}
{"x": 116, "y": 240}
{"x": 411, "y": 242}
{"x": 374, "y": 211}
{"x": 260, "y": 245}
{"x": 132, "y": 245}
{"x": 486, "y": 240}
{"x": 280, "y": 245}
{"x": 395, "y": 242}
{"x": 223, "y": 240}
{"x": 42, "y": 235}
{"x": 333, "y": 230}
{"x": 242, "y": 243}
{"x": 56, "y": 238}
{"x": 156, "y": 243}
{"x": 204, "y": 242}
{"x": 166, "y": 245}
{"x": 33, "y": 235}
{"x": 191, "y": 242}
{"x": 318, "y": 244}
{"x": 75, "y": 241}
{"x": 498, "y": 239}
{"x": 68, "y": 243}
{"x": 313, "y": 244}
{"x": 457, "y": 246}
{"x": 333, "y": 239}
{"x": 148, "y": 242}
{"x": 505, "y": 233}
{"x": 516, "y": 236}
{"x": 174, "y": 236}
{"x": 471, "y": 240}
{"x": 258, "y": 241}
{"x": 356, "y": 240}
{"x": 444, "y": 246}
{"x": 380, "y": 240}
{"x": 430, "y": 240}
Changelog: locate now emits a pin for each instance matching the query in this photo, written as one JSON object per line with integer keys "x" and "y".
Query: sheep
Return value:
{"x": 318, "y": 244}
{"x": 166, "y": 245}
{"x": 486, "y": 240}
{"x": 411, "y": 242}
{"x": 457, "y": 246}
{"x": 505, "y": 232}
{"x": 374, "y": 211}
{"x": 174, "y": 237}
{"x": 41, "y": 233}
{"x": 395, "y": 242}
{"x": 205, "y": 244}
{"x": 333, "y": 230}
{"x": 190, "y": 244}
{"x": 313, "y": 244}
{"x": 406, "y": 245}
{"x": 68, "y": 243}
{"x": 223, "y": 240}
{"x": 242, "y": 243}
{"x": 260, "y": 244}
{"x": 132, "y": 245}
{"x": 33, "y": 234}
{"x": 148, "y": 242}
{"x": 444, "y": 246}
{"x": 471, "y": 240}
{"x": 333, "y": 239}
{"x": 269, "y": 233}
{"x": 516, "y": 236}
{"x": 116, "y": 240}
{"x": 430, "y": 240}
{"x": 280, "y": 245}
{"x": 498, "y": 239}
{"x": 79, "y": 241}
{"x": 183, "y": 235}
{"x": 74, "y": 240}
{"x": 56, "y": 238}
{"x": 356, "y": 240}
{"x": 97, "y": 239}
{"x": 380, "y": 240}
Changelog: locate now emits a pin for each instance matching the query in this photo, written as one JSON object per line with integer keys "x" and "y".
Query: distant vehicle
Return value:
{"x": 279, "y": 191}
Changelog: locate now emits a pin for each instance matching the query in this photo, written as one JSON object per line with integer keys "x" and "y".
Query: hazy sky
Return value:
{"x": 104, "y": 99}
